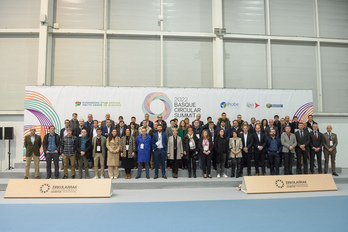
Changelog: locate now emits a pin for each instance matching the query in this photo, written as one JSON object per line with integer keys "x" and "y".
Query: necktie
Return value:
{"x": 301, "y": 134}
{"x": 316, "y": 137}
{"x": 330, "y": 136}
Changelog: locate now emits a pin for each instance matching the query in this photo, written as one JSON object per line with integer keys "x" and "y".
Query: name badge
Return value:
{"x": 142, "y": 146}
{"x": 157, "y": 143}
{"x": 191, "y": 144}
{"x": 206, "y": 148}
{"x": 296, "y": 130}
{"x": 98, "y": 148}
{"x": 331, "y": 143}
{"x": 197, "y": 136}
{"x": 127, "y": 147}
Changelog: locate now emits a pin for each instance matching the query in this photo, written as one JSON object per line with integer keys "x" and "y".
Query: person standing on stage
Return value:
{"x": 51, "y": 147}
{"x": 144, "y": 147}
{"x": 289, "y": 143}
{"x": 113, "y": 145}
{"x": 159, "y": 146}
{"x": 99, "y": 146}
{"x": 32, "y": 144}
{"x": 68, "y": 150}
{"x": 175, "y": 151}
{"x": 330, "y": 144}
{"x": 83, "y": 149}
{"x": 127, "y": 151}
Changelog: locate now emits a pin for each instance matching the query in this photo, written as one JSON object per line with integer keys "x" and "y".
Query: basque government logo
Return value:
{"x": 157, "y": 96}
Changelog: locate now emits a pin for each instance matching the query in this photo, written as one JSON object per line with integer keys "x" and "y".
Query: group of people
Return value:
{"x": 150, "y": 144}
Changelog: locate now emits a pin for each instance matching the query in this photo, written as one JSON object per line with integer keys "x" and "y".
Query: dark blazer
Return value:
{"x": 103, "y": 123}
{"x": 45, "y": 142}
{"x": 302, "y": 141}
{"x": 268, "y": 131}
{"x": 88, "y": 149}
{"x": 227, "y": 132}
{"x": 80, "y": 129}
{"x": 250, "y": 141}
{"x": 220, "y": 145}
{"x": 262, "y": 142}
{"x": 206, "y": 126}
{"x": 119, "y": 134}
{"x": 279, "y": 144}
{"x": 200, "y": 146}
{"x": 197, "y": 131}
{"x": 88, "y": 126}
{"x": 149, "y": 123}
{"x": 239, "y": 130}
{"x": 309, "y": 125}
{"x": 105, "y": 131}
{"x": 294, "y": 125}
{"x": 164, "y": 141}
{"x": 61, "y": 134}
{"x": 251, "y": 129}
{"x": 163, "y": 124}
{"x": 91, "y": 133}
{"x": 201, "y": 124}
{"x": 316, "y": 142}
{"x": 186, "y": 143}
{"x": 32, "y": 148}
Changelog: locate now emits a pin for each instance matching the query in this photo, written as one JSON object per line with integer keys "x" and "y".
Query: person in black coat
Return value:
{"x": 259, "y": 147}
{"x": 205, "y": 147}
{"x": 190, "y": 146}
{"x": 51, "y": 154}
{"x": 316, "y": 145}
{"x": 248, "y": 145}
{"x": 83, "y": 153}
{"x": 302, "y": 148}
{"x": 221, "y": 150}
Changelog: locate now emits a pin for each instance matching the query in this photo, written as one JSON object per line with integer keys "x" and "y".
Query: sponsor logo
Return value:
{"x": 45, "y": 188}
{"x": 279, "y": 183}
{"x": 252, "y": 105}
{"x": 229, "y": 104}
{"x": 269, "y": 105}
{"x": 97, "y": 103}
{"x": 157, "y": 96}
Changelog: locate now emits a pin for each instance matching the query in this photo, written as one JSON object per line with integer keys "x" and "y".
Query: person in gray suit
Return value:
{"x": 289, "y": 143}
{"x": 330, "y": 144}
{"x": 302, "y": 148}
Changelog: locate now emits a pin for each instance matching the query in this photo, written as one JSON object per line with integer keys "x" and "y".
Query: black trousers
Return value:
{"x": 260, "y": 157}
{"x": 313, "y": 154}
{"x": 288, "y": 157}
{"x": 247, "y": 160}
{"x": 175, "y": 163}
{"x": 55, "y": 157}
{"x": 274, "y": 162}
{"x": 191, "y": 165}
{"x": 237, "y": 162}
{"x": 299, "y": 154}
{"x": 206, "y": 163}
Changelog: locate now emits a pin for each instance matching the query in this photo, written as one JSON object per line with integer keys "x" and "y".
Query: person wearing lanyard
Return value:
{"x": 190, "y": 146}
{"x": 99, "y": 146}
{"x": 221, "y": 149}
{"x": 127, "y": 151}
{"x": 144, "y": 147}
{"x": 205, "y": 145}
{"x": 236, "y": 146}
{"x": 175, "y": 151}
{"x": 159, "y": 144}
{"x": 330, "y": 144}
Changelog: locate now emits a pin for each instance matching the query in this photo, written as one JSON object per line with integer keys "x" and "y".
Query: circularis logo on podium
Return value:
{"x": 279, "y": 183}
{"x": 45, "y": 188}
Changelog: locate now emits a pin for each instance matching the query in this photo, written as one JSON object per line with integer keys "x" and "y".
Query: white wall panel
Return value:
{"x": 333, "y": 18}
{"x": 292, "y": 18}
{"x": 335, "y": 78}
{"x": 134, "y": 61}
{"x": 80, "y": 14}
{"x": 187, "y": 16}
{"x": 246, "y": 17}
{"x": 18, "y": 68}
{"x": 245, "y": 64}
{"x": 77, "y": 60}
{"x": 19, "y": 13}
{"x": 134, "y": 15}
{"x": 188, "y": 62}
{"x": 294, "y": 67}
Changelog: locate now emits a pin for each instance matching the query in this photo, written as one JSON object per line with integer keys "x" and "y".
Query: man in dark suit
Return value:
{"x": 259, "y": 146}
{"x": 93, "y": 131}
{"x": 236, "y": 127}
{"x": 74, "y": 124}
{"x": 302, "y": 149}
{"x": 149, "y": 123}
{"x": 64, "y": 132}
{"x": 206, "y": 126}
{"x": 273, "y": 149}
{"x": 159, "y": 144}
{"x": 134, "y": 119}
{"x": 107, "y": 117}
{"x": 197, "y": 129}
{"x": 316, "y": 145}
{"x": 294, "y": 124}
{"x": 81, "y": 127}
{"x": 330, "y": 144}
{"x": 161, "y": 122}
{"x": 311, "y": 122}
{"x": 252, "y": 125}
{"x": 89, "y": 123}
{"x": 248, "y": 143}
{"x": 198, "y": 118}
{"x": 276, "y": 123}
{"x": 32, "y": 144}
{"x": 239, "y": 120}
{"x": 106, "y": 130}
{"x": 271, "y": 127}
{"x": 120, "y": 119}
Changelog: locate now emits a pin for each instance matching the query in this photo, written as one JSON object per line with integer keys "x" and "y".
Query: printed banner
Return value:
{"x": 51, "y": 105}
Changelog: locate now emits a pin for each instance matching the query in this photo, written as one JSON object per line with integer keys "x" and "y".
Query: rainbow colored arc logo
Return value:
{"x": 157, "y": 96}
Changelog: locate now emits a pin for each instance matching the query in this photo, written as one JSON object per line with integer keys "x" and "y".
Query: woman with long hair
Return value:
{"x": 191, "y": 152}
{"x": 221, "y": 149}
{"x": 175, "y": 151}
{"x": 127, "y": 152}
{"x": 113, "y": 159}
{"x": 182, "y": 131}
{"x": 205, "y": 146}
{"x": 135, "y": 134}
{"x": 236, "y": 147}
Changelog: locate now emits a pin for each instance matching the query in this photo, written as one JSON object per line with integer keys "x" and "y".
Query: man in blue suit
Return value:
{"x": 159, "y": 144}
{"x": 106, "y": 130}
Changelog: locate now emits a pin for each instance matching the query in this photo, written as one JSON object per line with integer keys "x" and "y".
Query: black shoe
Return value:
{"x": 189, "y": 174}
{"x": 147, "y": 177}
{"x": 156, "y": 176}
{"x": 65, "y": 177}
{"x": 209, "y": 176}
{"x": 232, "y": 175}
{"x": 194, "y": 175}
{"x": 237, "y": 176}
{"x": 137, "y": 177}
{"x": 334, "y": 174}
{"x": 48, "y": 177}
{"x": 57, "y": 177}
{"x": 72, "y": 177}
{"x": 164, "y": 177}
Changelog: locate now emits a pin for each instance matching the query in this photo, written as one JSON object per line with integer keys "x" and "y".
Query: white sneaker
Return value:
{"x": 218, "y": 176}
{"x": 115, "y": 177}
{"x": 96, "y": 177}
{"x": 225, "y": 176}
{"x": 102, "y": 177}
{"x": 111, "y": 177}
